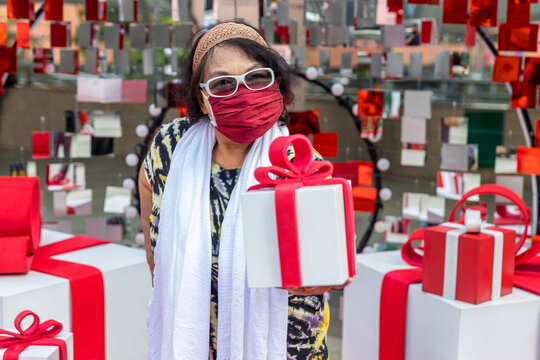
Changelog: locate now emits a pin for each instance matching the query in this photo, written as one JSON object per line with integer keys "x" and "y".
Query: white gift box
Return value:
{"x": 321, "y": 236}
{"x": 45, "y": 352}
{"x": 127, "y": 283}
{"x": 438, "y": 328}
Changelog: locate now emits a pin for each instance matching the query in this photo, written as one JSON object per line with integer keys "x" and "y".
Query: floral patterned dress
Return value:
{"x": 308, "y": 315}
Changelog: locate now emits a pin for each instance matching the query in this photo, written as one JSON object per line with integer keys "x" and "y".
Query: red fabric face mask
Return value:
{"x": 246, "y": 115}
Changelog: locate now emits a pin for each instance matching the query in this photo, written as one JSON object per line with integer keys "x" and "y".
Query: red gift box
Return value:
{"x": 518, "y": 38}
{"x": 41, "y": 147}
{"x": 466, "y": 266}
{"x": 455, "y": 12}
{"x": 20, "y": 9}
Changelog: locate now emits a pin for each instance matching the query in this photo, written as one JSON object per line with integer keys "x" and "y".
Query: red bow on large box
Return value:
{"x": 290, "y": 177}
{"x": 20, "y": 223}
{"x": 393, "y": 303}
{"x": 36, "y": 334}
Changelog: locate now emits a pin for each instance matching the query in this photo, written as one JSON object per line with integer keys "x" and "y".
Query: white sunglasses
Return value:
{"x": 227, "y": 85}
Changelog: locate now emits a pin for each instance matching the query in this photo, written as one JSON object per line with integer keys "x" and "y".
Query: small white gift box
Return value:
{"x": 322, "y": 240}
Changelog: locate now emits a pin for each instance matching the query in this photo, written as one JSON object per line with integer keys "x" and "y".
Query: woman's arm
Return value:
{"x": 145, "y": 192}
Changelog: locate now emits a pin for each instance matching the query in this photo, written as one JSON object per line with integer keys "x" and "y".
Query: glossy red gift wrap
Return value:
{"x": 326, "y": 144}
{"x": 20, "y": 223}
{"x": 518, "y": 38}
{"x": 370, "y": 103}
{"x": 20, "y": 9}
{"x": 475, "y": 263}
{"x": 455, "y": 12}
{"x": 41, "y": 144}
{"x": 23, "y": 34}
{"x": 304, "y": 122}
{"x": 518, "y": 14}
{"x": 427, "y": 29}
{"x": 506, "y": 69}
{"x": 531, "y": 71}
{"x": 523, "y": 95}
{"x": 483, "y": 13}
{"x": 54, "y": 10}
{"x": 528, "y": 160}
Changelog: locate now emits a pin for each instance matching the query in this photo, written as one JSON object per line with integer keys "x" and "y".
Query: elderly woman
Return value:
{"x": 235, "y": 87}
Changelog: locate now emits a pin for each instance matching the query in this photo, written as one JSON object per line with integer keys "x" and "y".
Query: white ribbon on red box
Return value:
{"x": 451, "y": 255}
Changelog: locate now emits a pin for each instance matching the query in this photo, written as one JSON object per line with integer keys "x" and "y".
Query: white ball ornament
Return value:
{"x": 154, "y": 110}
{"x": 383, "y": 164}
{"x": 132, "y": 159}
{"x": 139, "y": 238}
{"x": 337, "y": 89}
{"x": 311, "y": 73}
{"x": 130, "y": 211}
{"x": 380, "y": 227}
{"x": 128, "y": 184}
{"x": 385, "y": 194}
{"x": 142, "y": 130}
{"x": 355, "y": 109}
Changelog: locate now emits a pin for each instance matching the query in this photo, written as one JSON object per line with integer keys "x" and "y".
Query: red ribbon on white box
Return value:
{"x": 286, "y": 177}
{"x": 38, "y": 333}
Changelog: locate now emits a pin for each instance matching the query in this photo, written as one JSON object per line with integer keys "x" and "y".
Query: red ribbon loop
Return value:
{"x": 303, "y": 169}
{"x": 37, "y": 333}
{"x": 494, "y": 189}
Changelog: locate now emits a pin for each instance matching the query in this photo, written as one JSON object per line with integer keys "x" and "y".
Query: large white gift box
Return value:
{"x": 46, "y": 352}
{"x": 438, "y": 328}
{"x": 322, "y": 238}
{"x": 127, "y": 283}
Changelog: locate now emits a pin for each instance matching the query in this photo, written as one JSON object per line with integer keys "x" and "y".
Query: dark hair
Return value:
{"x": 268, "y": 57}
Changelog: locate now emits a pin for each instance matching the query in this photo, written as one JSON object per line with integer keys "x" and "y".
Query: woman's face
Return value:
{"x": 225, "y": 60}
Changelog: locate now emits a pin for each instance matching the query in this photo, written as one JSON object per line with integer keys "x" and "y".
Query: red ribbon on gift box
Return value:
{"x": 395, "y": 285}
{"x": 292, "y": 176}
{"x": 87, "y": 294}
{"x": 20, "y": 223}
{"x": 36, "y": 334}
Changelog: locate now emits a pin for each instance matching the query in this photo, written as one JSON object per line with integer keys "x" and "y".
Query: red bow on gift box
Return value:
{"x": 290, "y": 177}
{"x": 36, "y": 334}
{"x": 393, "y": 303}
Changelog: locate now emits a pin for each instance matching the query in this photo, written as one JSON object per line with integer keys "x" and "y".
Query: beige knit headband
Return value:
{"x": 220, "y": 33}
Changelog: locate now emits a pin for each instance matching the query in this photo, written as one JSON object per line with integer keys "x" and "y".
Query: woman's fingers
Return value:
{"x": 306, "y": 291}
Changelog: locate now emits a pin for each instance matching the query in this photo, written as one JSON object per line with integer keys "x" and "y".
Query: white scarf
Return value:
{"x": 252, "y": 323}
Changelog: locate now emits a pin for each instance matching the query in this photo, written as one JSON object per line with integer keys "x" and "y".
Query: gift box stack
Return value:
{"x": 97, "y": 290}
{"x": 466, "y": 295}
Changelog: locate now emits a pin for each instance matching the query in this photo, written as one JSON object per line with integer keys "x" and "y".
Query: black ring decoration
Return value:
{"x": 373, "y": 155}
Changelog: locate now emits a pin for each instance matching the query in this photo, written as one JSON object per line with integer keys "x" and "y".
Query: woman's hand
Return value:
{"x": 312, "y": 290}
{"x": 317, "y": 290}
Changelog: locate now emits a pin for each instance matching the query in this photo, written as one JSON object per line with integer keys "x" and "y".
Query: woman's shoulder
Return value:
{"x": 172, "y": 131}
{"x": 161, "y": 150}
